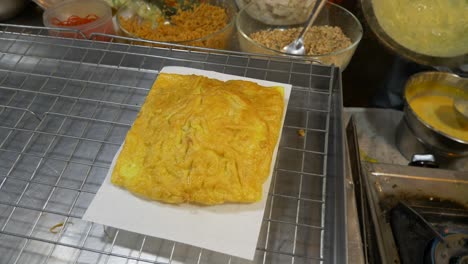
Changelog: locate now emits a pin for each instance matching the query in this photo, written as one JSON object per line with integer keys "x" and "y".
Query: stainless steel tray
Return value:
{"x": 65, "y": 107}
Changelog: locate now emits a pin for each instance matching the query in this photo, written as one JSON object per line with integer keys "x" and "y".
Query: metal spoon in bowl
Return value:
{"x": 297, "y": 46}
{"x": 461, "y": 106}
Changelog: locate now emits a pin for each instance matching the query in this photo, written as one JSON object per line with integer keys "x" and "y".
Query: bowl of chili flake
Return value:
{"x": 79, "y": 19}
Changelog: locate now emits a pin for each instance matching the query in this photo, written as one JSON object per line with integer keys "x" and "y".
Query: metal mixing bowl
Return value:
{"x": 415, "y": 136}
{"x": 372, "y": 20}
{"x": 11, "y": 8}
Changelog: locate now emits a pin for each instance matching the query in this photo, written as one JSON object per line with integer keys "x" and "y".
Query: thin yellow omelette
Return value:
{"x": 201, "y": 140}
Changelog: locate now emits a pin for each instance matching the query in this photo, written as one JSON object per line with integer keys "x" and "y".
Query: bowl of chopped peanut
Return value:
{"x": 332, "y": 40}
{"x": 202, "y": 23}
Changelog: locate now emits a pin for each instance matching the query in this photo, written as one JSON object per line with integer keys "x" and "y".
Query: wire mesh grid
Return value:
{"x": 65, "y": 107}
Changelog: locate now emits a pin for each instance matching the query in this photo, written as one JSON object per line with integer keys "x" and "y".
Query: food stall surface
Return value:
{"x": 66, "y": 107}
{"x": 376, "y": 129}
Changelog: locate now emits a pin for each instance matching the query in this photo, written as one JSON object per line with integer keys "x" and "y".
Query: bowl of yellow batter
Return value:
{"x": 431, "y": 32}
{"x": 431, "y": 116}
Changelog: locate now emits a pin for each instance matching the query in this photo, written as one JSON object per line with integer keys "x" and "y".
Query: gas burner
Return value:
{"x": 412, "y": 235}
{"x": 394, "y": 232}
{"x": 420, "y": 242}
{"x": 452, "y": 250}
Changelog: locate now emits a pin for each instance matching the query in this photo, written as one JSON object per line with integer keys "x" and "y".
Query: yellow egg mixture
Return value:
{"x": 201, "y": 140}
{"x": 432, "y": 27}
{"x": 437, "y": 110}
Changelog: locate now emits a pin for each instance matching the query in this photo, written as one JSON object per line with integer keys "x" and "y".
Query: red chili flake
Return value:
{"x": 75, "y": 20}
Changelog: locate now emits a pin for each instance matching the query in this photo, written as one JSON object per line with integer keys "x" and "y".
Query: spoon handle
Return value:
{"x": 319, "y": 4}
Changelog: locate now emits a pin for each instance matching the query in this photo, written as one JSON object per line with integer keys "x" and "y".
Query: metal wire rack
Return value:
{"x": 65, "y": 107}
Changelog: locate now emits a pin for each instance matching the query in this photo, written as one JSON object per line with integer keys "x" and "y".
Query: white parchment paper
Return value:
{"x": 232, "y": 229}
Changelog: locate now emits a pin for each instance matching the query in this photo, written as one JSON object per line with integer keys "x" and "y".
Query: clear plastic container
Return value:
{"x": 81, "y": 8}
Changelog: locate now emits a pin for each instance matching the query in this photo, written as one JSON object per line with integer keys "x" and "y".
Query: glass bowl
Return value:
{"x": 331, "y": 15}
{"x": 414, "y": 55}
{"x": 289, "y": 12}
{"x": 81, "y": 8}
{"x": 220, "y": 39}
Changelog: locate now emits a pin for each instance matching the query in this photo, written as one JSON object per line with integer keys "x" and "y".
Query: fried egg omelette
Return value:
{"x": 201, "y": 140}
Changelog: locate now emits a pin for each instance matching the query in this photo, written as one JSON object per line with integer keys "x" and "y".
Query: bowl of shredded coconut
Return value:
{"x": 332, "y": 40}
{"x": 278, "y": 12}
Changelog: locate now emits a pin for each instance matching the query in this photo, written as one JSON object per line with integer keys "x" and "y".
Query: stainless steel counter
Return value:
{"x": 65, "y": 107}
